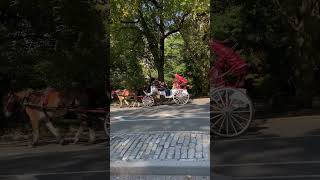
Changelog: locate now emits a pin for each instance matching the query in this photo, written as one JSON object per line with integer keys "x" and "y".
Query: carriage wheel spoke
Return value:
{"x": 232, "y": 124}
{"x": 221, "y": 99}
{"x": 231, "y": 101}
{"x": 215, "y": 123}
{"x": 217, "y": 103}
{"x": 222, "y": 124}
{"x": 215, "y": 107}
{"x": 227, "y": 124}
{"x": 240, "y": 117}
{"x": 227, "y": 98}
{"x": 216, "y": 116}
{"x": 242, "y": 111}
{"x": 216, "y": 112}
{"x": 184, "y": 98}
{"x": 237, "y": 121}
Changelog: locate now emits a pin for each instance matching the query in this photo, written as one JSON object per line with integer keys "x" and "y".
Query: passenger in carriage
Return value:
{"x": 157, "y": 86}
{"x": 163, "y": 87}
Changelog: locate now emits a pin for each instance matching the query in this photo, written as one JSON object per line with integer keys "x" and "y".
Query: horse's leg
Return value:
{"x": 85, "y": 122}
{"x": 34, "y": 120}
{"x": 130, "y": 103}
{"x": 126, "y": 102}
{"x": 92, "y": 134}
{"x": 134, "y": 101}
{"x": 120, "y": 100}
{"x": 51, "y": 128}
{"x": 80, "y": 130}
{"x": 35, "y": 132}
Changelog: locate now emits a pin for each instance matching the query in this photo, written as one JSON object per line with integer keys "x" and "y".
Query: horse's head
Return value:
{"x": 11, "y": 104}
{"x": 113, "y": 94}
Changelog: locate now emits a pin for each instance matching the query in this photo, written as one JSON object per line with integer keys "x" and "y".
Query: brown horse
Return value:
{"x": 45, "y": 105}
{"x": 123, "y": 96}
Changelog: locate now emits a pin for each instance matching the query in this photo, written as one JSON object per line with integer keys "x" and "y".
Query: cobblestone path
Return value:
{"x": 188, "y": 145}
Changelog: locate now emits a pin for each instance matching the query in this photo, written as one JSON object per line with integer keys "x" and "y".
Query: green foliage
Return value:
{"x": 228, "y": 24}
{"x": 174, "y": 57}
{"x": 195, "y": 52}
{"x": 52, "y": 43}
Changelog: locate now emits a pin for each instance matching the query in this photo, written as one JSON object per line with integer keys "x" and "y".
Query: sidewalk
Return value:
{"x": 155, "y": 177}
{"x": 163, "y": 153}
{"x": 160, "y": 177}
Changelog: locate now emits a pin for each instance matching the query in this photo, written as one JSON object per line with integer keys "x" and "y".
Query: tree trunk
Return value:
{"x": 160, "y": 66}
{"x": 306, "y": 85}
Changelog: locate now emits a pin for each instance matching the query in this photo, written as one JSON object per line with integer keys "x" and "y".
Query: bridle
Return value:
{"x": 15, "y": 100}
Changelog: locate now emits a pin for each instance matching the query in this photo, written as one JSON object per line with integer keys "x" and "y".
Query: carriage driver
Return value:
{"x": 157, "y": 85}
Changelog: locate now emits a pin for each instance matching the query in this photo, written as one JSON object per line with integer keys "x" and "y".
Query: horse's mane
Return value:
{"x": 28, "y": 90}
{"x": 31, "y": 90}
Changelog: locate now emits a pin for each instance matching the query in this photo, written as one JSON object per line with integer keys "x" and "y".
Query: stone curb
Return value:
{"x": 150, "y": 167}
{"x": 155, "y": 132}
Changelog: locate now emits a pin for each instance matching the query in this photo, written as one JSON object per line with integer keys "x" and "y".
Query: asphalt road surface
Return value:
{"x": 54, "y": 162}
{"x": 190, "y": 117}
{"x": 278, "y": 149}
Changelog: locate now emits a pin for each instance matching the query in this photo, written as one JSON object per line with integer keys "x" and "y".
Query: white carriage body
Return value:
{"x": 179, "y": 96}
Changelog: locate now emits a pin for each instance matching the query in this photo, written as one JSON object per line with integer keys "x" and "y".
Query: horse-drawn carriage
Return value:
{"x": 179, "y": 94}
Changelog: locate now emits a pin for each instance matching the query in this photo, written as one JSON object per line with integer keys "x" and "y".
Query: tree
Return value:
{"x": 303, "y": 17}
{"x": 156, "y": 20}
{"x": 196, "y": 53}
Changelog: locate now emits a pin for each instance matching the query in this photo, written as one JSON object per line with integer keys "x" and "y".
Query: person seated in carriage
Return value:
{"x": 163, "y": 87}
{"x": 157, "y": 85}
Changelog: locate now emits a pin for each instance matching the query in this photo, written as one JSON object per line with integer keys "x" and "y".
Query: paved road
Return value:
{"x": 279, "y": 149}
{"x": 190, "y": 117}
{"x": 167, "y": 140}
{"x": 63, "y": 163}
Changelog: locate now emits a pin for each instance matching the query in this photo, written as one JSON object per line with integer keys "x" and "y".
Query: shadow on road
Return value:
{"x": 271, "y": 147}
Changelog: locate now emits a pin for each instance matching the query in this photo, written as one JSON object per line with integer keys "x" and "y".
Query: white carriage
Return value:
{"x": 179, "y": 96}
